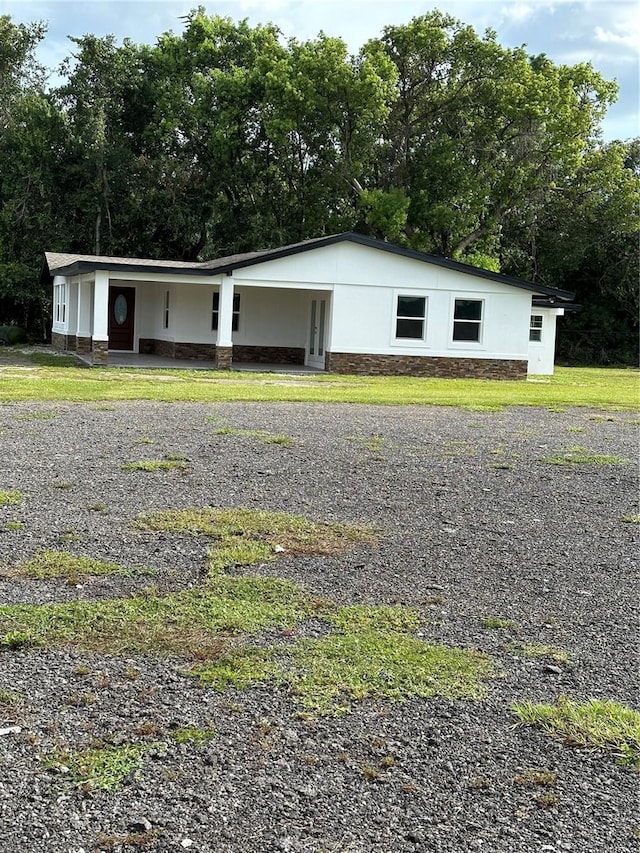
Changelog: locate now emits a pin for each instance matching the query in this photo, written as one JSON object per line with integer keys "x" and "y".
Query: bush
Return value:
{"x": 11, "y": 335}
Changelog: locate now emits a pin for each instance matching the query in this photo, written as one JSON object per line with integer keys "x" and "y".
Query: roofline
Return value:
{"x": 393, "y": 248}
{"x": 78, "y": 267}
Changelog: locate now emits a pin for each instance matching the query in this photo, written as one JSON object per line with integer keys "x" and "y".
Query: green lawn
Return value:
{"x": 617, "y": 389}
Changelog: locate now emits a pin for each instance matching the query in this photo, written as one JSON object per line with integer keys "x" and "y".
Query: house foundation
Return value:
{"x": 427, "y": 366}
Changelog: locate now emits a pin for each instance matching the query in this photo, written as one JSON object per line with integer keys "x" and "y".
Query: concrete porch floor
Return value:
{"x": 137, "y": 360}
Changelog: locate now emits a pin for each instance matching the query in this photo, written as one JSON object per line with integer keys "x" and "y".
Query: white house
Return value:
{"x": 344, "y": 303}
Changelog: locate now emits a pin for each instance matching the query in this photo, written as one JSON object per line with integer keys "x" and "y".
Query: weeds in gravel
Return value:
{"x": 541, "y": 650}
{"x": 499, "y": 622}
{"x": 373, "y": 443}
{"x": 248, "y": 536}
{"x": 103, "y": 767}
{"x": 10, "y": 497}
{"x": 264, "y": 436}
{"x": 37, "y": 416}
{"x": 14, "y": 525}
{"x": 186, "y": 734}
{"x": 630, "y": 519}
{"x": 62, "y": 484}
{"x": 146, "y": 840}
{"x": 371, "y": 654}
{"x": 536, "y": 776}
{"x": 61, "y": 564}
{"x": 169, "y": 463}
{"x": 595, "y": 724}
{"x": 192, "y": 624}
{"x": 582, "y": 456}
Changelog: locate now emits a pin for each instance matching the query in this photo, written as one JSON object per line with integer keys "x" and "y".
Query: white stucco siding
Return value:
{"x": 366, "y": 283}
{"x": 271, "y": 317}
{"x": 364, "y": 321}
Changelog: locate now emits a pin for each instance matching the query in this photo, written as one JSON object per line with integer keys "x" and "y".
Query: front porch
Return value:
{"x": 140, "y": 361}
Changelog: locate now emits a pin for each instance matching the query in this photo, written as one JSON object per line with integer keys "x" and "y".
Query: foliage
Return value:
{"x": 595, "y": 724}
{"x": 226, "y": 138}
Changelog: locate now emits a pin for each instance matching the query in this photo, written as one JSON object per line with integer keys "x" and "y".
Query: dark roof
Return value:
{"x": 68, "y": 264}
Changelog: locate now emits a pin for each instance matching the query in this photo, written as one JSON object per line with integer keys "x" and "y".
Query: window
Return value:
{"x": 60, "y": 303}
{"x": 535, "y": 328}
{"x": 215, "y": 312}
{"x": 410, "y": 317}
{"x": 165, "y": 321}
{"x": 467, "y": 320}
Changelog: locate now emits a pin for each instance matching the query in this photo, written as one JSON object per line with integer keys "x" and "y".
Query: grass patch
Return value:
{"x": 373, "y": 443}
{"x": 499, "y": 622}
{"x": 103, "y": 768}
{"x": 45, "y": 359}
{"x": 371, "y": 655}
{"x": 582, "y": 456}
{"x": 10, "y": 497}
{"x": 194, "y": 624}
{"x": 601, "y": 388}
{"x": 169, "y": 463}
{"x": 630, "y": 519}
{"x": 540, "y": 650}
{"x": 264, "y": 436}
{"x": 249, "y": 536}
{"x": 185, "y": 734}
{"x": 600, "y": 724}
{"x": 14, "y": 525}
{"x": 61, "y": 564}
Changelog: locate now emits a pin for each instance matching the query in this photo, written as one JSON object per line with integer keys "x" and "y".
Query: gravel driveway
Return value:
{"x": 472, "y": 524}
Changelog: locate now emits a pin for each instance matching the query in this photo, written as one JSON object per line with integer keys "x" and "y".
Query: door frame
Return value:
{"x": 317, "y": 330}
{"x": 131, "y": 302}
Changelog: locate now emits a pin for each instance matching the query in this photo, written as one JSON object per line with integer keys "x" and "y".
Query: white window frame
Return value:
{"x": 470, "y": 297}
{"x": 536, "y": 329}
{"x": 166, "y": 310}
{"x": 215, "y": 311}
{"x": 409, "y": 342}
{"x": 60, "y": 304}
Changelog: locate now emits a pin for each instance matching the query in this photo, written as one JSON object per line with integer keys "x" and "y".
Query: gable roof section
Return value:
{"x": 68, "y": 264}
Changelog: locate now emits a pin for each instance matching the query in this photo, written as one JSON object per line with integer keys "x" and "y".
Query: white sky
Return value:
{"x": 603, "y": 32}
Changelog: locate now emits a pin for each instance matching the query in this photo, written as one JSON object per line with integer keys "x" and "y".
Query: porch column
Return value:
{"x": 224, "y": 342}
{"x": 83, "y": 334}
{"x": 100, "y": 336}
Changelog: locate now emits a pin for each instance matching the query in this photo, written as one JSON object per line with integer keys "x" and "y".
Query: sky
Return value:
{"x": 603, "y": 32}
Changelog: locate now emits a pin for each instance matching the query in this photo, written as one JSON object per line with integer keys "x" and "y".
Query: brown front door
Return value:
{"x": 122, "y": 301}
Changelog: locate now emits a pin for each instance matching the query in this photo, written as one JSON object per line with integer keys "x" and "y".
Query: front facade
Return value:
{"x": 346, "y": 304}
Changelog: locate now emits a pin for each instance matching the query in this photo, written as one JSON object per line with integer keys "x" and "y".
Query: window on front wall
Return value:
{"x": 215, "y": 312}
{"x": 535, "y": 328}
{"x": 165, "y": 320}
{"x": 467, "y": 320}
{"x": 60, "y": 303}
{"x": 411, "y": 315}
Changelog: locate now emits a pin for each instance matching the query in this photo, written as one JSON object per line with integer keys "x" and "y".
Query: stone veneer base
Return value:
{"x": 268, "y": 355}
{"x": 100, "y": 352}
{"x": 223, "y": 357}
{"x": 428, "y": 366}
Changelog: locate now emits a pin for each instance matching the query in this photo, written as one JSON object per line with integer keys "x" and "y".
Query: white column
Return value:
{"x": 101, "y": 306}
{"x": 225, "y": 316}
{"x": 84, "y": 309}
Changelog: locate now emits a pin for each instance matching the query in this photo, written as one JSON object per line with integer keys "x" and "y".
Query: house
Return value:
{"x": 344, "y": 303}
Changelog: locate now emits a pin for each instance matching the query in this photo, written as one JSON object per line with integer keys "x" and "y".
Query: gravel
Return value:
{"x": 472, "y": 524}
